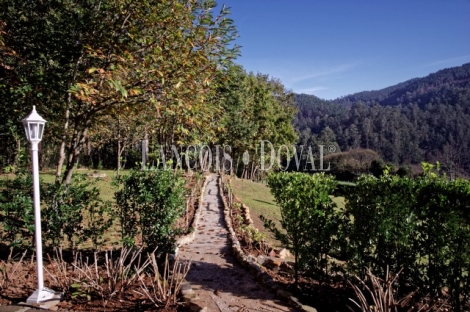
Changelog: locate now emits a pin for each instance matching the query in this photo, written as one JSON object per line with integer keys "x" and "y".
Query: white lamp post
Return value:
{"x": 34, "y": 128}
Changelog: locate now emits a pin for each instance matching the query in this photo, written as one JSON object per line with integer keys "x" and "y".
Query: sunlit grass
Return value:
{"x": 106, "y": 189}
{"x": 103, "y": 184}
{"x": 258, "y": 197}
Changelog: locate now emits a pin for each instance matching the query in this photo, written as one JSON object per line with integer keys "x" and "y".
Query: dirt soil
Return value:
{"x": 21, "y": 282}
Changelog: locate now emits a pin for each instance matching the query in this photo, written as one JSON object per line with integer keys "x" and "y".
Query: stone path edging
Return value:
{"x": 186, "y": 290}
{"x": 191, "y": 302}
{"x": 250, "y": 262}
{"x": 186, "y": 239}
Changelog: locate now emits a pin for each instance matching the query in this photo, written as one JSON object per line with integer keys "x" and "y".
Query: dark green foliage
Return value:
{"x": 70, "y": 214}
{"x": 377, "y": 168}
{"x": 421, "y": 225}
{"x": 16, "y": 210}
{"x": 74, "y": 213}
{"x": 421, "y": 119}
{"x": 148, "y": 204}
{"x": 443, "y": 236}
{"x": 308, "y": 218}
{"x": 382, "y": 225}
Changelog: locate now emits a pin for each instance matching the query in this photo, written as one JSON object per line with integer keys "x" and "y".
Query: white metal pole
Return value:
{"x": 37, "y": 214}
{"x": 34, "y": 126}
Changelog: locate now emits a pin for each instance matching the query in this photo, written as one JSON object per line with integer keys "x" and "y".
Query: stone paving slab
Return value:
{"x": 217, "y": 279}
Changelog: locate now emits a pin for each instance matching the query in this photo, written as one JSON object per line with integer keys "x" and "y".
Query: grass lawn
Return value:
{"x": 103, "y": 184}
{"x": 111, "y": 237}
{"x": 258, "y": 198}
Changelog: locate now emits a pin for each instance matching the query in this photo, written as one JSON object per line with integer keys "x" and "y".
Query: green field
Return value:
{"x": 258, "y": 198}
{"x": 103, "y": 184}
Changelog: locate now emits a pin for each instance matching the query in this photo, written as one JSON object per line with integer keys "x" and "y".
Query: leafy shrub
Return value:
{"x": 308, "y": 217}
{"x": 443, "y": 237}
{"x": 421, "y": 225}
{"x": 74, "y": 212}
{"x": 71, "y": 213}
{"x": 382, "y": 225}
{"x": 148, "y": 204}
{"x": 16, "y": 210}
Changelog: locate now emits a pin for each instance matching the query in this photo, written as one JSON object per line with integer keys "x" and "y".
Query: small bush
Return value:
{"x": 71, "y": 213}
{"x": 16, "y": 210}
{"x": 308, "y": 217}
{"x": 74, "y": 212}
{"x": 147, "y": 205}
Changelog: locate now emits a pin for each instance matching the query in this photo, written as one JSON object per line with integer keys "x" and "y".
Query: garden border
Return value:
{"x": 250, "y": 262}
{"x": 190, "y": 301}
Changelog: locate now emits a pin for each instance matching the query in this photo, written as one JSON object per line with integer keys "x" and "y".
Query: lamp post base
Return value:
{"x": 43, "y": 295}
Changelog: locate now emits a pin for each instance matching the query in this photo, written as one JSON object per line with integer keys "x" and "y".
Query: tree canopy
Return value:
{"x": 108, "y": 73}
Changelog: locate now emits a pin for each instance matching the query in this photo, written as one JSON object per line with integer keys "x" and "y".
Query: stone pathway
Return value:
{"x": 219, "y": 282}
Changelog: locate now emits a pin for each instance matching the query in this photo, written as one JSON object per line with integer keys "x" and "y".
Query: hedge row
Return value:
{"x": 420, "y": 225}
{"x": 147, "y": 205}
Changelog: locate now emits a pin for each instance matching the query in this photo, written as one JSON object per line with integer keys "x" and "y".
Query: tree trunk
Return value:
{"x": 145, "y": 150}
{"x": 61, "y": 160}
{"x": 68, "y": 102}
{"x": 119, "y": 153}
{"x": 119, "y": 148}
{"x": 74, "y": 153}
{"x": 16, "y": 162}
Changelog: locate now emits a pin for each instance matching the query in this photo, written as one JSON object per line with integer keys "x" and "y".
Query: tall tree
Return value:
{"x": 256, "y": 108}
{"x": 84, "y": 59}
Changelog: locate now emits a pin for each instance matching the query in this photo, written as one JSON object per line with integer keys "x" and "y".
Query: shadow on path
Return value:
{"x": 215, "y": 275}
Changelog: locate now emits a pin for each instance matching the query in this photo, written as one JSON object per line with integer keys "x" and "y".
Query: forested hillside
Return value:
{"x": 422, "y": 119}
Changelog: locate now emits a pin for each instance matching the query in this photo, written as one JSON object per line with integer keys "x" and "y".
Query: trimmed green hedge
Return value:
{"x": 421, "y": 225}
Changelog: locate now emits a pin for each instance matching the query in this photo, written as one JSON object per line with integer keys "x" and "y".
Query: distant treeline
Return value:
{"x": 423, "y": 119}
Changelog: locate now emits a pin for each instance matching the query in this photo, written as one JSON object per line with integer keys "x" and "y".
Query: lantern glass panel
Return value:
{"x": 41, "y": 130}
{"x": 33, "y": 130}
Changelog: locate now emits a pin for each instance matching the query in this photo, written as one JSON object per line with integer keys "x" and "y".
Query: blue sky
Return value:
{"x": 332, "y": 48}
